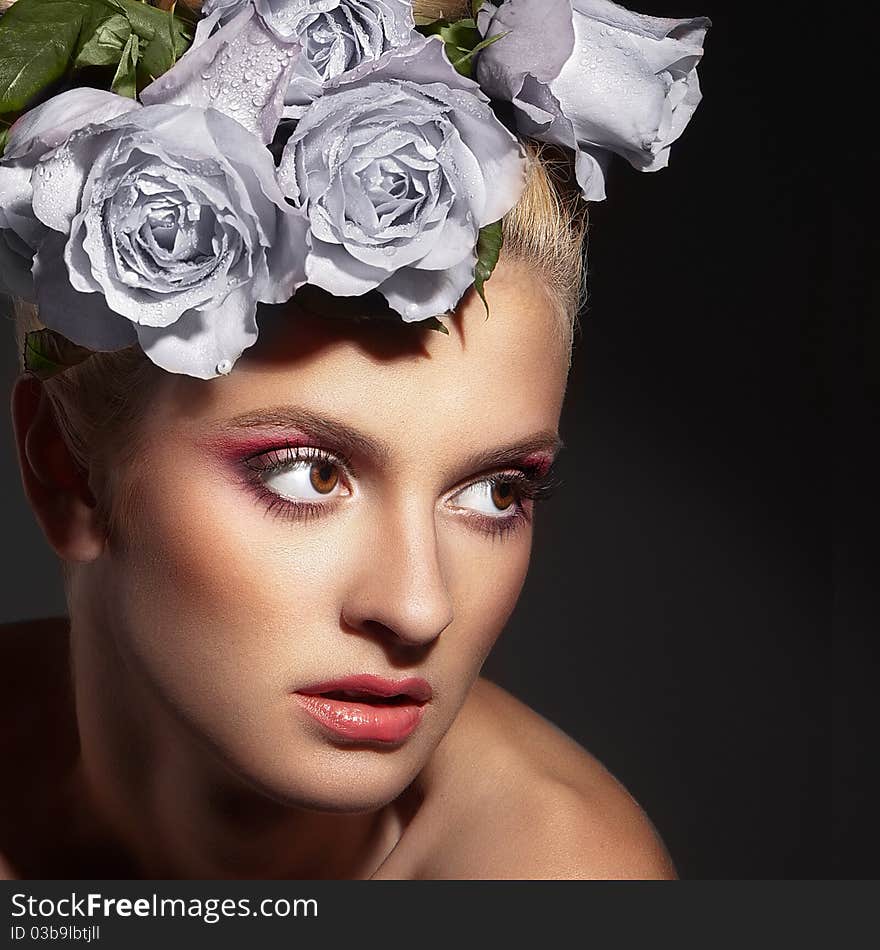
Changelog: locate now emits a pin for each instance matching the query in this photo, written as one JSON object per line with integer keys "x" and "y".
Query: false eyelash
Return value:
{"x": 267, "y": 462}
{"x": 278, "y": 459}
{"x": 530, "y": 485}
{"x": 280, "y": 507}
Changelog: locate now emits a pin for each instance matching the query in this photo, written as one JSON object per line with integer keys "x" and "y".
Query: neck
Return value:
{"x": 165, "y": 802}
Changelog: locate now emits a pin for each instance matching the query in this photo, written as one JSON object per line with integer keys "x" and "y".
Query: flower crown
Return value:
{"x": 343, "y": 144}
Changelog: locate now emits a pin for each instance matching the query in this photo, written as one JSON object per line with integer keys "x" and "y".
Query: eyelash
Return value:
{"x": 531, "y": 485}
{"x": 266, "y": 463}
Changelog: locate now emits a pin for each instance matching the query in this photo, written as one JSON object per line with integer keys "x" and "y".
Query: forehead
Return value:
{"x": 486, "y": 382}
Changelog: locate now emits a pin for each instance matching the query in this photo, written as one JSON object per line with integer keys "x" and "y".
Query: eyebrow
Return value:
{"x": 353, "y": 441}
{"x": 320, "y": 427}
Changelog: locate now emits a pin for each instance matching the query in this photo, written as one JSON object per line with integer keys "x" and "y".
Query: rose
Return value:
{"x": 398, "y": 165}
{"x": 342, "y": 37}
{"x": 162, "y": 225}
{"x": 372, "y": 25}
{"x": 34, "y": 134}
{"x": 336, "y": 35}
{"x": 595, "y": 77}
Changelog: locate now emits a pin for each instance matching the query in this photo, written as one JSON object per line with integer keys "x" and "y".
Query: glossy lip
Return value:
{"x": 367, "y": 721}
{"x": 414, "y": 686}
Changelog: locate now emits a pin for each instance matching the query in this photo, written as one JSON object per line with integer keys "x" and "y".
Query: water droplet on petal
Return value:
{"x": 224, "y": 367}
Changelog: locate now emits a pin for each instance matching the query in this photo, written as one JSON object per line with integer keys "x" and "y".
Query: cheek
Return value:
{"x": 221, "y": 603}
{"x": 486, "y": 578}
{"x": 224, "y": 606}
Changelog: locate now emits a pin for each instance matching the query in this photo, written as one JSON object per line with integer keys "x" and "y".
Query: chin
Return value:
{"x": 339, "y": 779}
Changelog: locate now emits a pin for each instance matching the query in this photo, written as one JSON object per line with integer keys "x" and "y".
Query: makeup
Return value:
{"x": 269, "y": 464}
{"x": 366, "y": 708}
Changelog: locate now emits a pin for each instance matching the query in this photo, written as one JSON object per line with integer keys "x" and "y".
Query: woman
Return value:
{"x": 283, "y": 580}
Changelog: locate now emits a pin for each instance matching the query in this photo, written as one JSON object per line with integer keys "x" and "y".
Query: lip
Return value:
{"x": 367, "y": 721}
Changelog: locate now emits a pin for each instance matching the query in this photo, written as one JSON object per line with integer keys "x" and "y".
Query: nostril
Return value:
{"x": 374, "y": 626}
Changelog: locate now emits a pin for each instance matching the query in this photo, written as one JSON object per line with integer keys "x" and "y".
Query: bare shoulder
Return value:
{"x": 531, "y": 803}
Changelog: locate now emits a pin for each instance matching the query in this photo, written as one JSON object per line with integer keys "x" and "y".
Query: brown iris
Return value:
{"x": 503, "y": 495}
{"x": 324, "y": 477}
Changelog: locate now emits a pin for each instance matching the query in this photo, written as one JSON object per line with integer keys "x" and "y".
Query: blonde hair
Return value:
{"x": 98, "y": 402}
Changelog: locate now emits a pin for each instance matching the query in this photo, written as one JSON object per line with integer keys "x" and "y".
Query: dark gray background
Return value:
{"x": 675, "y": 620}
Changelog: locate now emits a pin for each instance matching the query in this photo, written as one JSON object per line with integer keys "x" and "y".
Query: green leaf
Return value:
{"x": 4, "y": 138}
{"x": 480, "y": 46}
{"x": 125, "y": 81}
{"x": 428, "y": 27}
{"x": 475, "y": 7}
{"x": 432, "y": 323}
{"x": 41, "y": 41}
{"x": 47, "y": 353}
{"x": 462, "y": 34}
{"x": 37, "y": 43}
{"x": 461, "y": 39}
{"x": 151, "y": 23}
{"x": 455, "y": 32}
{"x": 161, "y": 52}
{"x": 489, "y": 246}
{"x": 106, "y": 45}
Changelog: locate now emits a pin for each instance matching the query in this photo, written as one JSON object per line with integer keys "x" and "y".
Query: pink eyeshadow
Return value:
{"x": 540, "y": 461}
{"x": 233, "y": 448}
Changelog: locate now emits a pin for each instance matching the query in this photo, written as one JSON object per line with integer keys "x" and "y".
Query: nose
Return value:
{"x": 400, "y": 590}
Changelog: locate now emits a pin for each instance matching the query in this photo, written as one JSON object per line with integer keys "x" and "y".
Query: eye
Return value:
{"x": 491, "y": 496}
{"x": 305, "y": 479}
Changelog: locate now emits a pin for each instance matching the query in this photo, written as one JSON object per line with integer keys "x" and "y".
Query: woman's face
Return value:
{"x": 351, "y": 499}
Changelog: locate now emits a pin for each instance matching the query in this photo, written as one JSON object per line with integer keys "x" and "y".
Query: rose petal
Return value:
{"x": 16, "y": 195}
{"x": 609, "y": 91}
{"x": 330, "y": 266}
{"x": 254, "y": 168}
{"x": 286, "y": 258}
{"x": 204, "y": 343}
{"x": 423, "y": 60}
{"x": 540, "y": 40}
{"x": 619, "y": 87}
{"x": 51, "y": 122}
{"x": 419, "y": 294}
{"x": 454, "y": 243}
{"x": 85, "y": 319}
{"x": 540, "y": 116}
{"x": 243, "y": 71}
{"x": 591, "y": 169}
{"x": 678, "y": 120}
{"x": 501, "y": 160}
{"x": 690, "y": 30}
{"x": 59, "y": 178}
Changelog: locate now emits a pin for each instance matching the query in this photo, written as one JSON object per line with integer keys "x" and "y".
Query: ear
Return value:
{"x": 55, "y": 484}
